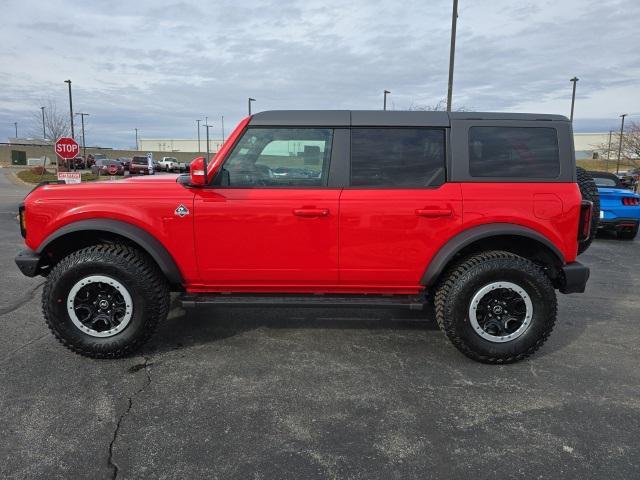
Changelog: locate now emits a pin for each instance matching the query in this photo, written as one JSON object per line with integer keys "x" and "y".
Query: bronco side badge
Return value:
{"x": 181, "y": 211}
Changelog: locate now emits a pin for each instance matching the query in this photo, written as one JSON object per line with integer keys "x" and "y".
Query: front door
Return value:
{"x": 398, "y": 210}
{"x": 270, "y": 222}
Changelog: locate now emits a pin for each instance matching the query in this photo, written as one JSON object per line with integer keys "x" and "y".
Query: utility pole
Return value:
{"x": 15, "y": 124}
{"x": 73, "y": 135}
{"x": 136, "y": 129}
{"x": 84, "y": 144}
{"x": 206, "y": 159}
{"x": 249, "y": 103}
{"x": 44, "y": 129}
{"x": 198, "y": 122}
{"x": 452, "y": 53}
{"x": 609, "y": 150}
{"x": 574, "y": 80}
{"x": 384, "y": 102}
{"x": 222, "y": 120}
{"x": 620, "y": 144}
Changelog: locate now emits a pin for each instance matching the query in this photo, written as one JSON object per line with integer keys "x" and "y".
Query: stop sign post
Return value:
{"x": 67, "y": 148}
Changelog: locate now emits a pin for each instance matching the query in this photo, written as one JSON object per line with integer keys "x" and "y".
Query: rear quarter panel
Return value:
{"x": 552, "y": 209}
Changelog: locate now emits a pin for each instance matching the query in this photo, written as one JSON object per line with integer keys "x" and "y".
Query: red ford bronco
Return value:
{"x": 476, "y": 217}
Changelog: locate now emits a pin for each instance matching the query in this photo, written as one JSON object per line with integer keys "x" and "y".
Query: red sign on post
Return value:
{"x": 67, "y": 148}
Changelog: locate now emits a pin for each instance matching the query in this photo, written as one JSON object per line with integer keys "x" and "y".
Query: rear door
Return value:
{"x": 271, "y": 222}
{"x": 397, "y": 211}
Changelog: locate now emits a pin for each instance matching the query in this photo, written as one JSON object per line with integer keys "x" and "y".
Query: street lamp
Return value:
{"x": 384, "y": 102}
{"x": 452, "y": 53}
{"x": 222, "y": 120}
{"x": 206, "y": 159}
{"x": 574, "y": 80}
{"x": 620, "y": 144}
{"x": 249, "y": 103}
{"x": 71, "y": 109}
{"x": 198, "y": 122}
{"x": 15, "y": 124}
{"x": 44, "y": 130}
{"x": 136, "y": 129}
{"x": 609, "y": 150}
{"x": 84, "y": 145}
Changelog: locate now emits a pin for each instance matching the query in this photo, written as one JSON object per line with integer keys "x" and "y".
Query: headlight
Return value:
{"x": 23, "y": 221}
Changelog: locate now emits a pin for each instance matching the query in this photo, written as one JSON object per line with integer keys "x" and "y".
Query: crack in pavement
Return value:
{"x": 111, "y": 462}
{"x": 22, "y": 347}
{"x": 29, "y": 296}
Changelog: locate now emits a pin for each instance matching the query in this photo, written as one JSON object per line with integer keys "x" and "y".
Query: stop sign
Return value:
{"x": 67, "y": 148}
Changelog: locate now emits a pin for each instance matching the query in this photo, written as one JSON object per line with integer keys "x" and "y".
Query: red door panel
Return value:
{"x": 266, "y": 239}
{"x": 388, "y": 237}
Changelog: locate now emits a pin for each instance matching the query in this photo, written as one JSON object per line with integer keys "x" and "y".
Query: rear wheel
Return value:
{"x": 589, "y": 191}
{"x": 496, "y": 307}
{"x": 105, "y": 301}
{"x": 628, "y": 234}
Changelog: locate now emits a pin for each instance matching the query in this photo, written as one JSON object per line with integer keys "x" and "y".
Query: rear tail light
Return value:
{"x": 631, "y": 201}
{"x": 23, "y": 221}
{"x": 586, "y": 215}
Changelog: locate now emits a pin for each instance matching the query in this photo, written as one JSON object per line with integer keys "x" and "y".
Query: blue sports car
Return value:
{"x": 619, "y": 207}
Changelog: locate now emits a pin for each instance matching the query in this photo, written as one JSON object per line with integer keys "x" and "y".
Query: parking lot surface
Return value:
{"x": 323, "y": 393}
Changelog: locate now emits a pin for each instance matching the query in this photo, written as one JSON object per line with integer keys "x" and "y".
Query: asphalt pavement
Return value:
{"x": 325, "y": 393}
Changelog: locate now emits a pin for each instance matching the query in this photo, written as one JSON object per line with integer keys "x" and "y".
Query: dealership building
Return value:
{"x": 178, "y": 145}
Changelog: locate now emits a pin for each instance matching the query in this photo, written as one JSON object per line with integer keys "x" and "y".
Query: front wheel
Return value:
{"x": 105, "y": 301}
{"x": 496, "y": 307}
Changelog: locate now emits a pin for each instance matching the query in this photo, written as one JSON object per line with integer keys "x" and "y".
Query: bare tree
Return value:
{"x": 630, "y": 155}
{"x": 440, "y": 106}
{"x": 56, "y": 123}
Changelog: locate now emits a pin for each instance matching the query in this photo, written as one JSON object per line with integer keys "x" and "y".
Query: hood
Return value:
{"x": 164, "y": 178}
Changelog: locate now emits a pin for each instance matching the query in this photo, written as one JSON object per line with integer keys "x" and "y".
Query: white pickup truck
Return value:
{"x": 169, "y": 164}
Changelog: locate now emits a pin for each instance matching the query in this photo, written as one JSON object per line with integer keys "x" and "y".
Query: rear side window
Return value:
{"x": 397, "y": 157}
{"x": 517, "y": 152}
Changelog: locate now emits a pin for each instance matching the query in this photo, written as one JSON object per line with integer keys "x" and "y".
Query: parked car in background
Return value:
{"x": 140, "y": 165}
{"x": 184, "y": 166}
{"x": 78, "y": 162}
{"x": 93, "y": 157}
{"x": 619, "y": 207}
{"x": 125, "y": 161}
{"x": 169, "y": 164}
{"x": 107, "y": 167}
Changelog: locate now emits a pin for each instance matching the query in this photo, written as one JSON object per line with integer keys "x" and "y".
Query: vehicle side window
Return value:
{"x": 279, "y": 157}
{"x": 397, "y": 157}
{"x": 517, "y": 152}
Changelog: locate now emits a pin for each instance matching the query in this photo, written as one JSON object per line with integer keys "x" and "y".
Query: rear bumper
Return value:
{"x": 574, "y": 278}
{"x": 28, "y": 261}
{"x": 618, "y": 224}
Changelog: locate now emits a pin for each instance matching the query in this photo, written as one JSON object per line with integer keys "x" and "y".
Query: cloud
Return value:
{"x": 160, "y": 67}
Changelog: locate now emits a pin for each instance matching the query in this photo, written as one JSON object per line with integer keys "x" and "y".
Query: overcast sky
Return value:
{"x": 159, "y": 66}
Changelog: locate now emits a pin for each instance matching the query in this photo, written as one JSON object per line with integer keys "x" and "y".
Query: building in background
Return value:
{"x": 177, "y": 145}
{"x": 589, "y": 146}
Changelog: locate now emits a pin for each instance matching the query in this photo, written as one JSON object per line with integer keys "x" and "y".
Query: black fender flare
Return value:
{"x": 467, "y": 237}
{"x": 145, "y": 240}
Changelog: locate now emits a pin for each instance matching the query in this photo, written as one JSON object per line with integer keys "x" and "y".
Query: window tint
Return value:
{"x": 397, "y": 157}
{"x": 279, "y": 157}
{"x": 519, "y": 152}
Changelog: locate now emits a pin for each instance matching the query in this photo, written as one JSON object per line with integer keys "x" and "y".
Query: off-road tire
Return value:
{"x": 589, "y": 191}
{"x": 129, "y": 266}
{"x": 463, "y": 280}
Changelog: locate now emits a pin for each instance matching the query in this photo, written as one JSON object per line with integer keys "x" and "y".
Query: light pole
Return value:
{"x": 609, "y": 151}
{"x": 44, "y": 129}
{"x": 384, "y": 102}
{"x": 574, "y": 80}
{"x": 222, "y": 121}
{"x": 452, "y": 53}
{"x": 84, "y": 145}
{"x": 198, "y": 122}
{"x": 620, "y": 144}
{"x": 249, "y": 103}
{"x": 136, "y": 129}
{"x": 71, "y": 109}
{"x": 15, "y": 124}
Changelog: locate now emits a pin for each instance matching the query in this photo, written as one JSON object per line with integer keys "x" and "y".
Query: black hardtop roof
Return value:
{"x": 365, "y": 118}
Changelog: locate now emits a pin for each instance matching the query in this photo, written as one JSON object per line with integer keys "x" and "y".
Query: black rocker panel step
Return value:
{"x": 411, "y": 302}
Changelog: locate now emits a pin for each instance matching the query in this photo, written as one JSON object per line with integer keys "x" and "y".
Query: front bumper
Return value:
{"x": 28, "y": 262}
{"x": 574, "y": 278}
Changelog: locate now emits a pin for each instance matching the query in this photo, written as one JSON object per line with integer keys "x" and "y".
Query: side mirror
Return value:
{"x": 196, "y": 172}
